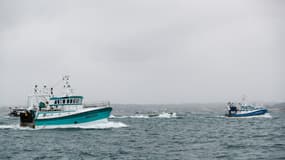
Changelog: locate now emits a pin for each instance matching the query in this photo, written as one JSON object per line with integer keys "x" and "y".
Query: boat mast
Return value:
{"x": 66, "y": 86}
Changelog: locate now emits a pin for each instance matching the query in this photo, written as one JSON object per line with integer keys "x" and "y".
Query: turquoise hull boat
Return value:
{"x": 47, "y": 110}
{"x": 74, "y": 118}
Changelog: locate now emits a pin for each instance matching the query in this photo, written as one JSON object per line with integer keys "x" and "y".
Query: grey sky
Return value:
{"x": 145, "y": 51}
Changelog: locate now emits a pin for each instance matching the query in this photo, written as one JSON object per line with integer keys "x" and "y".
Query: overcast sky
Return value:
{"x": 147, "y": 51}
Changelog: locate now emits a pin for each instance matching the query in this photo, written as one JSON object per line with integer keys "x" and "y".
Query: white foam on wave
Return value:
{"x": 15, "y": 126}
{"x": 161, "y": 115}
{"x": 167, "y": 115}
{"x": 139, "y": 116}
{"x": 101, "y": 125}
{"x": 8, "y": 126}
{"x": 134, "y": 116}
{"x": 112, "y": 116}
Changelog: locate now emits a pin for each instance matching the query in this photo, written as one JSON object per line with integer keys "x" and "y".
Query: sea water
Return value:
{"x": 194, "y": 133}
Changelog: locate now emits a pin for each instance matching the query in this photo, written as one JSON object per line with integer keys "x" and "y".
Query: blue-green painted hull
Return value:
{"x": 84, "y": 117}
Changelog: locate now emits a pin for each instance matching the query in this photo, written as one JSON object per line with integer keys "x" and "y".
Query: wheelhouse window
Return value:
{"x": 76, "y": 100}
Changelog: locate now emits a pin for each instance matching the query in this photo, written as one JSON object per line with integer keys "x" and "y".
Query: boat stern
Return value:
{"x": 27, "y": 119}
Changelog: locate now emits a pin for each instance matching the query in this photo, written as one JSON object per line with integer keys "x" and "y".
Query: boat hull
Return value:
{"x": 77, "y": 118}
{"x": 87, "y": 125}
{"x": 248, "y": 113}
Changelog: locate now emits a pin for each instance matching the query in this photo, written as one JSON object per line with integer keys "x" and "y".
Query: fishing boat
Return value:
{"x": 152, "y": 114}
{"x": 167, "y": 115}
{"x": 164, "y": 114}
{"x": 244, "y": 110}
{"x": 15, "y": 111}
{"x": 46, "y": 110}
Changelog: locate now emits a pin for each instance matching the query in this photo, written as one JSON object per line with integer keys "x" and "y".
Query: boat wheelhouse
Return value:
{"x": 61, "y": 102}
